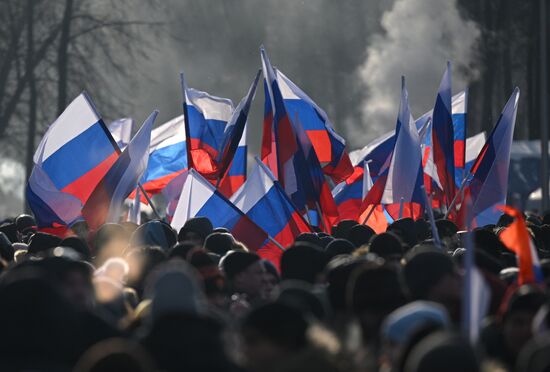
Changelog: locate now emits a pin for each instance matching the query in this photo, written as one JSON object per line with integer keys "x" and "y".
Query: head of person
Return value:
{"x": 41, "y": 242}
{"x": 442, "y": 351}
{"x": 342, "y": 229}
{"x": 271, "y": 280}
{"x": 110, "y": 240}
{"x": 401, "y": 325}
{"x": 303, "y": 261}
{"x": 338, "y": 247}
{"x": 405, "y": 229}
{"x": 26, "y": 226}
{"x": 431, "y": 275}
{"x": 517, "y": 316}
{"x": 360, "y": 235}
{"x": 219, "y": 243}
{"x": 141, "y": 261}
{"x": 387, "y": 245}
{"x": 244, "y": 272}
{"x": 271, "y": 333}
{"x": 373, "y": 292}
{"x": 195, "y": 230}
{"x": 78, "y": 245}
{"x": 154, "y": 233}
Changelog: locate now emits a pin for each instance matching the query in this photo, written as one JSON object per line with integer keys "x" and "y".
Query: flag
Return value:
{"x": 374, "y": 218}
{"x": 53, "y": 209}
{"x": 235, "y": 128}
{"x": 77, "y": 149}
{"x": 329, "y": 147}
{"x": 459, "y": 109}
{"x": 205, "y": 118}
{"x": 172, "y": 193}
{"x": 167, "y": 155}
{"x": 516, "y": 238}
{"x": 404, "y": 176}
{"x": 235, "y": 177}
{"x": 264, "y": 201}
{"x": 200, "y": 199}
{"x": 105, "y": 202}
{"x": 487, "y": 183}
{"x": 443, "y": 137}
{"x": 121, "y": 130}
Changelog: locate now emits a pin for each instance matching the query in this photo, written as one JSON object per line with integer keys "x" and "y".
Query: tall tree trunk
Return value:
{"x": 63, "y": 57}
{"x": 31, "y": 133}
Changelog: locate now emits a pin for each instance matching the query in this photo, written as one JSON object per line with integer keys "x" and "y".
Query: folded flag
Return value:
{"x": 443, "y": 137}
{"x": 516, "y": 238}
{"x": 200, "y": 199}
{"x": 76, "y": 151}
{"x": 205, "y": 118}
{"x": 105, "y": 202}
{"x": 487, "y": 183}
{"x": 167, "y": 155}
{"x": 264, "y": 201}
{"x": 121, "y": 130}
{"x": 52, "y": 209}
{"x": 329, "y": 147}
{"x": 403, "y": 179}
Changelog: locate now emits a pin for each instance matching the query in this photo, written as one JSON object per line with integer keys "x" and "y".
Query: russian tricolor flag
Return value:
{"x": 487, "y": 183}
{"x": 402, "y": 180}
{"x": 443, "y": 137}
{"x": 263, "y": 200}
{"x": 167, "y": 155}
{"x": 76, "y": 151}
{"x": 199, "y": 198}
{"x": 206, "y": 117}
{"x": 329, "y": 147}
{"x": 105, "y": 202}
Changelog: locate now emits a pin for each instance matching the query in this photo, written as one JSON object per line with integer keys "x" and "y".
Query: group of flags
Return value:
{"x": 85, "y": 169}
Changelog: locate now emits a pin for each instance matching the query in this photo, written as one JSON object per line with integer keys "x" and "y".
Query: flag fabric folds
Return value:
{"x": 487, "y": 183}
{"x": 443, "y": 137}
{"x": 105, "y": 202}
{"x": 264, "y": 201}
{"x": 205, "y": 118}
{"x": 167, "y": 155}
{"x": 404, "y": 176}
{"x": 121, "y": 130}
{"x": 329, "y": 147}
{"x": 200, "y": 199}
{"x": 76, "y": 151}
{"x": 516, "y": 238}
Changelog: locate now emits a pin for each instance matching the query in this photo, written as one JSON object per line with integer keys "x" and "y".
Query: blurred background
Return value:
{"x": 347, "y": 55}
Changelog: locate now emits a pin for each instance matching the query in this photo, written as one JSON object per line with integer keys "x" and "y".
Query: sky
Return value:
{"x": 348, "y": 56}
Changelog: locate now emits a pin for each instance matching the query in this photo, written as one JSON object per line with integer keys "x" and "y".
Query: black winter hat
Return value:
{"x": 236, "y": 262}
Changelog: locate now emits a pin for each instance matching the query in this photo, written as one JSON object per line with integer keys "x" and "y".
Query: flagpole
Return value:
{"x": 460, "y": 191}
{"x": 276, "y": 243}
{"x": 401, "y": 206}
{"x": 435, "y": 233}
{"x": 368, "y": 215}
{"x": 321, "y": 217}
{"x": 118, "y": 151}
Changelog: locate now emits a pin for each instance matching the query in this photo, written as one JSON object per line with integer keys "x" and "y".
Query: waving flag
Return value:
{"x": 199, "y": 198}
{"x": 205, "y": 119}
{"x": 76, "y": 151}
{"x": 374, "y": 216}
{"x": 121, "y": 130}
{"x": 459, "y": 110}
{"x": 105, "y": 202}
{"x": 404, "y": 176}
{"x": 235, "y": 177}
{"x": 264, "y": 201}
{"x": 443, "y": 137}
{"x": 53, "y": 210}
{"x": 487, "y": 182}
{"x": 167, "y": 155}
{"x": 517, "y": 239}
{"x": 329, "y": 147}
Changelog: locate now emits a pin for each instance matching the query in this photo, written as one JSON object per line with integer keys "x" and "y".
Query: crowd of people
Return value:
{"x": 148, "y": 298}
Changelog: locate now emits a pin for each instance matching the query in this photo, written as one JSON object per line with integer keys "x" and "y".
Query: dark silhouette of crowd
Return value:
{"x": 148, "y": 298}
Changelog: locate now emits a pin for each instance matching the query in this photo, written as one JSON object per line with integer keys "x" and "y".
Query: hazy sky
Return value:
{"x": 346, "y": 55}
